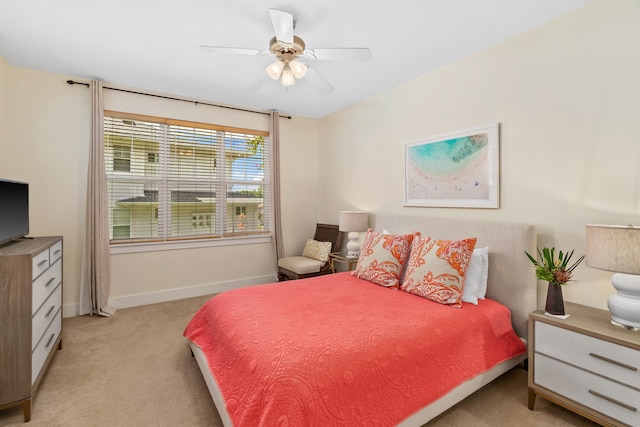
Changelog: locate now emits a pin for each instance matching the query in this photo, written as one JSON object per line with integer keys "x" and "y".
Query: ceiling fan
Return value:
{"x": 292, "y": 55}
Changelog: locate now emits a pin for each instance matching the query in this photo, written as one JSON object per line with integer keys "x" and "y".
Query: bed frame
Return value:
{"x": 512, "y": 282}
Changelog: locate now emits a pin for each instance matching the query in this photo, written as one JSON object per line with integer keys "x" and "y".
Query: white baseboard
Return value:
{"x": 73, "y": 310}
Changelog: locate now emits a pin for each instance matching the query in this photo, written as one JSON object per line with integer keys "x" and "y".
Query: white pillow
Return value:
{"x": 482, "y": 289}
{"x": 317, "y": 250}
{"x": 475, "y": 283}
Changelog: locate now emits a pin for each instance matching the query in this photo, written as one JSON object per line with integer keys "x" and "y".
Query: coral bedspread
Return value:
{"x": 336, "y": 350}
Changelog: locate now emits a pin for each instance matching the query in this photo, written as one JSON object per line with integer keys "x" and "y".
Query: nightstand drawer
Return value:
{"x": 608, "y": 397}
{"x": 605, "y": 358}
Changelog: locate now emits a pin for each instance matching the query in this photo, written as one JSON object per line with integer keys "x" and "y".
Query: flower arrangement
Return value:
{"x": 554, "y": 269}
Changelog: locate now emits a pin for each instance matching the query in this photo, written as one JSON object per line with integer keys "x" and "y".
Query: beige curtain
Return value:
{"x": 95, "y": 266}
{"x": 275, "y": 185}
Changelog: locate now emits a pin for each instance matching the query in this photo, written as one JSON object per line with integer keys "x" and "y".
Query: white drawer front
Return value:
{"x": 55, "y": 252}
{"x": 590, "y": 390}
{"x": 45, "y": 284}
{"x": 40, "y": 263}
{"x": 45, "y": 315}
{"x": 602, "y": 357}
{"x": 45, "y": 346}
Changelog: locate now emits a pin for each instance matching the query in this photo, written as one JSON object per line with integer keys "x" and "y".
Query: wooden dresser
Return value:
{"x": 586, "y": 364}
{"x": 30, "y": 316}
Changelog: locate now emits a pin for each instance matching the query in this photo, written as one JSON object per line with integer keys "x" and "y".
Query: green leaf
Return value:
{"x": 548, "y": 264}
{"x": 532, "y": 259}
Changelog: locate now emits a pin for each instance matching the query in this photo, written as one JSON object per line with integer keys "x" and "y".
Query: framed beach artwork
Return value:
{"x": 455, "y": 169}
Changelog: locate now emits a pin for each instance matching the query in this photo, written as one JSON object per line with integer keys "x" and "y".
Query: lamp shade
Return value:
{"x": 275, "y": 70}
{"x": 288, "y": 79}
{"x": 353, "y": 221}
{"x": 298, "y": 69}
{"x": 614, "y": 248}
{"x": 617, "y": 248}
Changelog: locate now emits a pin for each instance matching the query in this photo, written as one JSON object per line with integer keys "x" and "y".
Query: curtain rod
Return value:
{"x": 71, "y": 82}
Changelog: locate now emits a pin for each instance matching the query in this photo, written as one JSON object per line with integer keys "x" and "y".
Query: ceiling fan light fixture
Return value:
{"x": 298, "y": 69}
{"x": 288, "y": 79}
{"x": 275, "y": 70}
{"x": 286, "y": 47}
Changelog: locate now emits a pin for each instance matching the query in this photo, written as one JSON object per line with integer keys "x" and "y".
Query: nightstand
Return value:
{"x": 585, "y": 364}
{"x": 350, "y": 262}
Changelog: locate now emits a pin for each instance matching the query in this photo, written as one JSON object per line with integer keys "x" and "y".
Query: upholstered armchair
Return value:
{"x": 314, "y": 260}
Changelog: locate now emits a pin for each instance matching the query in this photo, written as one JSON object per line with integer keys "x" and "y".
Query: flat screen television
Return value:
{"x": 14, "y": 210}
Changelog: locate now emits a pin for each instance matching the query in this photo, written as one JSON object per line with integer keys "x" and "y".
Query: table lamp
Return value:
{"x": 353, "y": 222}
{"x": 617, "y": 248}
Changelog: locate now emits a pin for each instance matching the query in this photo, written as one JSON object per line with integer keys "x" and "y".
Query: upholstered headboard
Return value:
{"x": 512, "y": 279}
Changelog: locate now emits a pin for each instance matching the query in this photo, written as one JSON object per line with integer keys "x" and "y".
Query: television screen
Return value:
{"x": 14, "y": 210}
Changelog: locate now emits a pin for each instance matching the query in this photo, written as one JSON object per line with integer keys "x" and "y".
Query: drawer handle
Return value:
{"x": 49, "y": 312}
{"x": 54, "y": 335}
{"x": 612, "y": 400}
{"x": 43, "y": 262}
{"x": 615, "y": 362}
{"x": 56, "y": 252}
{"x": 50, "y": 281}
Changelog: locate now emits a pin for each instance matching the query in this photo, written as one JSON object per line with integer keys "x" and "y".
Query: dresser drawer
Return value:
{"x": 45, "y": 284}
{"x": 591, "y": 390}
{"x": 40, "y": 263}
{"x": 595, "y": 355}
{"x": 55, "y": 252}
{"x": 45, "y": 315}
{"x": 45, "y": 346}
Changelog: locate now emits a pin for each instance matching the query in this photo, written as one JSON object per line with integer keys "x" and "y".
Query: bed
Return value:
{"x": 341, "y": 350}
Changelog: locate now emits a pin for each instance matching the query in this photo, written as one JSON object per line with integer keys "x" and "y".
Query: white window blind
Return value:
{"x": 170, "y": 179}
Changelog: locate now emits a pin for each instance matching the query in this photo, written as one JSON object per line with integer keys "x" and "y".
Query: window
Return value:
{"x": 121, "y": 158}
{"x": 170, "y": 179}
{"x": 121, "y": 224}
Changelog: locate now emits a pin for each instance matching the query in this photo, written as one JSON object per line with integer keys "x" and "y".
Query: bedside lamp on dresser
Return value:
{"x": 617, "y": 248}
{"x": 587, "y": 363}
{"x": 353, "y": 222}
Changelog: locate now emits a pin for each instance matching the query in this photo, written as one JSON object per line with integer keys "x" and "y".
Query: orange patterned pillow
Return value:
{"x": 382, "y": 258}
{"x": 436, "y": 269}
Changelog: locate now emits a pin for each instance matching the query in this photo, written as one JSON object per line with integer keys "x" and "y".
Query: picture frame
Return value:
{"x": 458, "y": 169}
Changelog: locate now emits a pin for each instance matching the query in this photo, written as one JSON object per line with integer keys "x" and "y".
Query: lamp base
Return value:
{"x": 625, "y": 305}
{"x": 628, "y": 328}
{"x": 353, "y": 245}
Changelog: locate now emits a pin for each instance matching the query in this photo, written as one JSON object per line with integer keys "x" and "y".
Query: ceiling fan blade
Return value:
{"x": 318, "y": 81}
{"x": 260, "y": 81}
{"x": 234, "y": 50}
{"x": 282, "y": 25}
{"x": 339, "y": 54}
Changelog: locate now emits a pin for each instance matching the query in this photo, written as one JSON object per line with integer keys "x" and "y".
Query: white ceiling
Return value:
{"x": 155, "y": 44}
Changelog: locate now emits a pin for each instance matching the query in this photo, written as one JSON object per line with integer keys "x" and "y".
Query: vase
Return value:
{"x": 555, "y": 303}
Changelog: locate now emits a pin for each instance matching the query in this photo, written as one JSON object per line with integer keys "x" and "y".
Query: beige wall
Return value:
{"x": 300, "y": 187}
{"x": 4, "y": 118}
{"x": 567, "y": 97}
{"x": 44, "y": 128}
